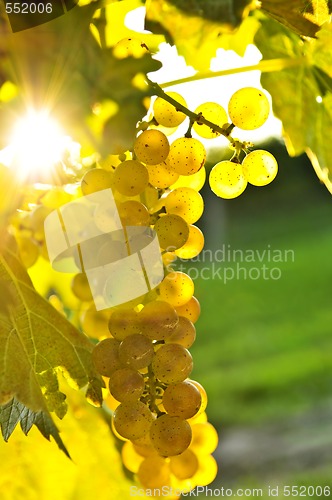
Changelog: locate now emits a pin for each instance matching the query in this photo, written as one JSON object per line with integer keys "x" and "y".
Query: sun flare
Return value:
{"x": 36, "y": 146}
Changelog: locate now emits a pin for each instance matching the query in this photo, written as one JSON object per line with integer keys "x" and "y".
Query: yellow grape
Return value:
{"x": 136, "y": 351}
{"x": 207, "y": 470}
{"x": 130, "y": 458}
{"x": 161, "y": 176}
{"x": 185, "y": 465}
{"x": 151, "y": 147}
{"x": 182, "y": 399}
{"x": 170, "y": 435}
{"x": 130, "y": 178}
{"x": 214, "y": 113}
{"x": 154, "y": 473}
{"x": 105, "y": 357}
{"x": 227, "y": 180}
{"x": 190, "y": 309}
{"x": 172, "y": 363}
{"x": 29, "y": 251}
{"x": 96, "y": 179}
{"x": 176, "y": 288}
{"x": 260, "y": 167}
{"x": 249, "y": 108}
{"x": 194, "y": 244}
{"x": 184, "y": 333}
{"x": 195, "y": 181}
{"x": 132, "y": 419}
{"x": 172, "y": 231}
{"x": 126, "y": 384}
{"x": 133, "y": 213}
{"x": 166, "y": 114}
{"x": 123, "y": 322}
{"x": 37, "y": 219}
{"x": 186, "y": 156}
{"x": 158, "y": 320}
{"x": 56, "y": 197}
{"x": 204, "y": 398}
{"x": 81, "y": 288}
{"x": 204, "y": 438}
{"x": 95, "y": 323}
{"x": 130, "y": 47}
{"x": 185, "y": 202}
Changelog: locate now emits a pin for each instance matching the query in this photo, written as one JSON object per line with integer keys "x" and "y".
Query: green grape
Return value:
{"x": 172, "y": 231}
{"x": 81, "y": 288}
{"x": 96, "y": 179}
{"x": 214, "y": 113}
{"x": 182, "y": 399}
{"x": 186, "y": 156}
{"x": 161, "y": 176}
{"x": 151, "y": 147}
{"x": 130, "y": 178}
{"x": 190, "y": 309}
{"x": 166, "y": 114}
{"x": 184, "y": 333}
{"x": 185, "y": 202}
{"x": 227, "y": 179}
{"x": 204, "y": 438}
{"x": 154, "y": 473}
{"x": 29, "y": 251}
{"x": 158, "y": 320}
{"x": 105, "y": 356}
{"x": 176, "y": 288}
{"x": 95, "y": 323}
{"x": 130, "y": 47}
{"x": 126, "y": 384}
{"x": 194, "y": 244}
{"x": 123, "y": 322}
{"x": 136, "y": 351}
{"x": 172, "y": 363}
{"x": 185, "y": 465}
{"x": 170, "y": 435}
{"x": 249, "y": 108}
{"x": 259, "y": 167}
{"x": 134, "y": 213}
{"x": 132, "y": 419}
{"x": 195, "y": 181}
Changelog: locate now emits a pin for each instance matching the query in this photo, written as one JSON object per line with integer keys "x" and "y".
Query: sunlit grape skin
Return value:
{"x": 170, "y": 435}
{"x": 151, "y": 147}
{"x": 186, "y": 156}
{"x": 214, "y": 113}
{"x": 248, "y": 108}
{"x": 260, "y": 167}
{"x": 227, "y": 180}
{"x": 166, "y": 114}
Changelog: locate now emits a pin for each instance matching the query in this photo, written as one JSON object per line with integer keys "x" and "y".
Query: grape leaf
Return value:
{"x": 302, "y": 95}
{"x": 31, "y": 469}
{"x": 15, "y": 412}
{"x": 199, "y": 28}
{"x": 36, "y": 341}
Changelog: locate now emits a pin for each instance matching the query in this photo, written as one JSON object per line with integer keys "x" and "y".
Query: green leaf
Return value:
{"x": 301, "y": 95}
{"x": 36, "y": 341}
{"x": 198, "y": 28}
{"x": 15, "y": 412}
{"x": 294, "y": 14}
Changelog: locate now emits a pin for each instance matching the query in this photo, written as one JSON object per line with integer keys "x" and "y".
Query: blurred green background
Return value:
{"x": 264, "y": 347}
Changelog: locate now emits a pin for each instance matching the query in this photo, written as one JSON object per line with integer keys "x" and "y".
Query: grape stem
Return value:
{"x": 152, "y": 392}
{"x": 193, "y": 117}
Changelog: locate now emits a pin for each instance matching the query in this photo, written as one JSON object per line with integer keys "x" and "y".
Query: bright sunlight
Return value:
{"x": 37, "y": 144}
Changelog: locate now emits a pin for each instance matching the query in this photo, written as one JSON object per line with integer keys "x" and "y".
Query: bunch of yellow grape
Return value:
{"x": 143, "y": 349}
